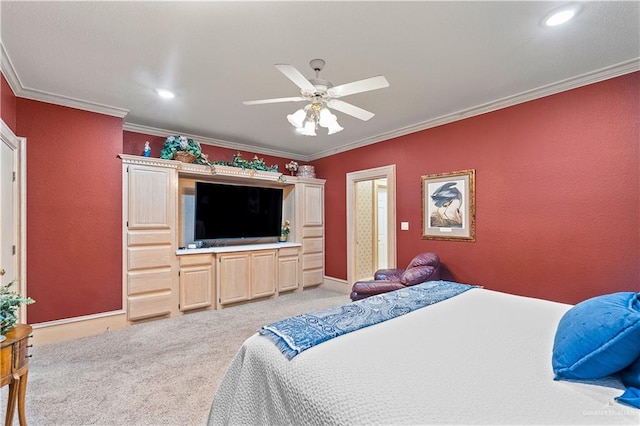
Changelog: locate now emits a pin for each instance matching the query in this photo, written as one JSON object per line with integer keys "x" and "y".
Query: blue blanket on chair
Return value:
{"x": 296, "y": 334}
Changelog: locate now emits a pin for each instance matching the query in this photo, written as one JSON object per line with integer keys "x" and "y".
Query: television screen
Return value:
{"x": 236, "y": 211}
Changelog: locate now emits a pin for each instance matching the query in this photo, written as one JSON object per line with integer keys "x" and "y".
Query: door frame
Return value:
{"x": 18, "y": 146}
{"x": 376, "y": 220}
{"x": 388, "y": 172}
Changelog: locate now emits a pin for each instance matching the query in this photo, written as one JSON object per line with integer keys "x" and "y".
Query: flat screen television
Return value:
{"x": 236, "y": 211}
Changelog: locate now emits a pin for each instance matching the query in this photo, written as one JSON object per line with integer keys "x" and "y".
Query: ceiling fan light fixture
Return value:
{"x": 309, "y": 128}
{"x": 334, "y": 127}
{"x": 329, "y": 120}
{"x": 297, "y": 118}
{"x": 325, "y": 117}
{"x": 322, "y": 95}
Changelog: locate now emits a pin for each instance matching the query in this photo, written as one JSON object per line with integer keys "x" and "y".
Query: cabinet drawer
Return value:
{"x": 288, "y": 251}
{"x": 312, "y": 261}
{"x": 147, "y": 306}
{"x": 312, "y": 231}
{"x": 196, "y": 259}
{"x": 150, "y": 257}
{"x": 148, "y": 281}
{"x": 312, "y": 277}
{"x": 21, "y": 356}
{"x": 135, "y": 238}
{"x": 312, "y": 245}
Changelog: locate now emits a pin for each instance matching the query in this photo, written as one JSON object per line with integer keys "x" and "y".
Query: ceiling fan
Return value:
{"x": 322, "y": 95}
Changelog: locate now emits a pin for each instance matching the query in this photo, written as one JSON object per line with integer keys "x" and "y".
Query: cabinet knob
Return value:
{"x": 2, "y": 272}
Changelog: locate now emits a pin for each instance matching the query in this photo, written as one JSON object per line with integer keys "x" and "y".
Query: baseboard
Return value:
{"x": 91, "y": 325}
{"x": 73, "y": 328}
{"x": 336, "y": 284}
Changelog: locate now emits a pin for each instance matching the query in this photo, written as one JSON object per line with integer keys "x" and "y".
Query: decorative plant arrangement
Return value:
{"x": 255, "y": 164}
{"x": 183, "y": 149}
{"x": 187, "y": 150}
{"x": 292, "y": 167}
{"x": 286, "y": 228}
{"x": 10, "y": 301}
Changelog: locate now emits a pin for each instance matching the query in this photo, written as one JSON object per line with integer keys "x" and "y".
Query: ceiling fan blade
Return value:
{"x": 296, "y": 76}
{"x": 275, "y": 100}
{"x": 347, "y": 108}
{"x": 373, "y": 83}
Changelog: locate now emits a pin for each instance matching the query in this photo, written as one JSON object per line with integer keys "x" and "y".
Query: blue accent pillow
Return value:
{"x": 631, "y": 375}
{"x": 598, "y": 337}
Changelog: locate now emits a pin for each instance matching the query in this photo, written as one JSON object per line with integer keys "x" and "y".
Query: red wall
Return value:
{"x": 133, "y": 143}
{"x": 557, "y": 193}
{"x": 74, "y": 210}
{"x": 7, "y": 104}
{"x": 557, "y": 197}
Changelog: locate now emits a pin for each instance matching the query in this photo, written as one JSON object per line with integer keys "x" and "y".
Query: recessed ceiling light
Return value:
{"x": 561, "y": 16}
{"x": 165, "y": 94}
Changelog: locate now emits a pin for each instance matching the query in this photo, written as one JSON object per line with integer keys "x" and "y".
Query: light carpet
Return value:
{"x": 161, "y": 372}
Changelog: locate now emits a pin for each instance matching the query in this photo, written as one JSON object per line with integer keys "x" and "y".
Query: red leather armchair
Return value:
{"x": 423, "y": 267}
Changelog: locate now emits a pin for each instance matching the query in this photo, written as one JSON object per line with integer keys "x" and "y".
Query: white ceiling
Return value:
{"x": 443, "y": 60}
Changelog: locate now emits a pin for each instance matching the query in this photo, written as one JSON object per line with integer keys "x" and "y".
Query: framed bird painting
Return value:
{"x": 449, "y": 206}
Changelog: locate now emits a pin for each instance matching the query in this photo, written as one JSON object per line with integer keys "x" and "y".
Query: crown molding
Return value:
{"x": 602, "y": 74}
{"x": 154, "y": 131}
{"x": 52, "y": 98}
{"x": 9, "y": 72}
{"x": 40, "y": 95}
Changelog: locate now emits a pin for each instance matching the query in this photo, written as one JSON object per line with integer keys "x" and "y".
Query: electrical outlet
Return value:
{"x": 404, "y": 226}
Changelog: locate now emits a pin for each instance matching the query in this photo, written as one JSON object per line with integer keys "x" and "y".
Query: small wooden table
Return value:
{"x": 14, "y": 368}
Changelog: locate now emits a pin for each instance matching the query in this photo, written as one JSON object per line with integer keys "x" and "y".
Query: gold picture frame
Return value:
{"x": 449, "y": 206}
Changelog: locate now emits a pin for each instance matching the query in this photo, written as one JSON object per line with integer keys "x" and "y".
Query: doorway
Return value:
{"x": 371, "y": 213}
{"x": 13, "y": 213}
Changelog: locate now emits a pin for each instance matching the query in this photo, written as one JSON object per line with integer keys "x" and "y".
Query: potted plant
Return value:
{"x": 10, "y": 301}
{"x": 183, "y": 149}
{"x": 284, "y": 233}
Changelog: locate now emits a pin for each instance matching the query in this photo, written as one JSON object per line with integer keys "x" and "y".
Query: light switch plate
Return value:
{"x": 404, "y": 226}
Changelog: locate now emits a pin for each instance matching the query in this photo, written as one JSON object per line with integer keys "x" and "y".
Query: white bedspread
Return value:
{"x": 482, "y": 357}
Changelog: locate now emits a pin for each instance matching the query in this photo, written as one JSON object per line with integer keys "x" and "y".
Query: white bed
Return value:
{"x": 481, "y": 357}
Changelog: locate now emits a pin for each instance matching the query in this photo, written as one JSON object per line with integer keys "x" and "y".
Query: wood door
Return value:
{"x": 288, "y": 273}
{"x": 313, "y": 205}
{"x": 12, "y": 213}
{"x": 195, "y": 287}
{"x": 263, "y": 273}
{"x": 196, "y": 281}
{"x": 234, "y": 277}
{"x": 8, "y": 222}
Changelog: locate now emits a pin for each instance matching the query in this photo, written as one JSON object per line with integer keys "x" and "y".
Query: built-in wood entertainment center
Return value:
{"x": 161, "y": 279}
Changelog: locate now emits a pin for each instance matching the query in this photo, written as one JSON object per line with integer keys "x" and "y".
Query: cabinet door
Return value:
{"x": 263, "y": 273}
{"x": 151, "y": 197}
{"x": 288, "y": 273}
{"x": 195, "y": 283}
{"x": 313, "y": 205}
{"x": 234, "y": 277}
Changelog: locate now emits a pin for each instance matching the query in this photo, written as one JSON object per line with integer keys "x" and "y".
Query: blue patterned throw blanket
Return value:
{"x": 296, "y": 334}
